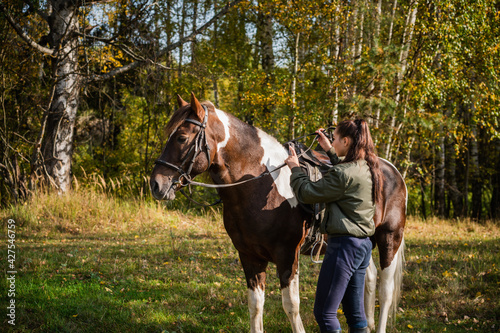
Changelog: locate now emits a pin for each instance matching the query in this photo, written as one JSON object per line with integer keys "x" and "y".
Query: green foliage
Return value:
{"x": 351, "y": 62}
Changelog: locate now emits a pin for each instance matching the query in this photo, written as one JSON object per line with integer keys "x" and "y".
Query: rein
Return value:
{"x": 197, "y": 148}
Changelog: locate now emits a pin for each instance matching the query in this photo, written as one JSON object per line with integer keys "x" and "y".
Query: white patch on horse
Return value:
{"x": 274, "y": 156}
{"x": 225, "y": 122}
{"x": 256, "y": 307}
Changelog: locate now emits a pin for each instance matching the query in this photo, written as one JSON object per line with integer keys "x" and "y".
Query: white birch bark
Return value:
{"x": 336, "y": 52}
{"x": 383, "y": 81}
{"x": 294, "y": 85}
{"x": 57, "y": 143}
{"x": 403, "y": 57}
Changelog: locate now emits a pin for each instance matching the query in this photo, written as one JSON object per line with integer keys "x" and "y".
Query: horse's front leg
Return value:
{"x": 288, "y": 273}
{"x": 291, "y": 304}
{"x": 255, "y": 273}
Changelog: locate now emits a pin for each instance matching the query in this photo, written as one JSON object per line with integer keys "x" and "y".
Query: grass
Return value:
{"x": 88, "y": 262}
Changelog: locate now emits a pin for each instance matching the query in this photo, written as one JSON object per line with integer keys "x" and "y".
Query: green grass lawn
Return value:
{"x": 89, "y": 263}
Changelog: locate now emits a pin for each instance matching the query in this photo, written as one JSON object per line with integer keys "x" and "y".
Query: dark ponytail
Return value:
{"x": 362, "y": 148}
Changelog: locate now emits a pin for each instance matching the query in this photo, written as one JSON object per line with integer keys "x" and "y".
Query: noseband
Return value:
{"x": 199, "y": 141}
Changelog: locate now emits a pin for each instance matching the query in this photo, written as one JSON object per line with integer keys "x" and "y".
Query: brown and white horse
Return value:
{"x": 262, "y": 216}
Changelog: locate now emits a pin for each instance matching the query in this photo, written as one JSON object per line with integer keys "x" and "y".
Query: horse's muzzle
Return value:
{"x": 163, "y": 191}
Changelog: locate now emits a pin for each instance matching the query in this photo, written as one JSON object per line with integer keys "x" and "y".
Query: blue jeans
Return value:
{"x": 342, "y": 280}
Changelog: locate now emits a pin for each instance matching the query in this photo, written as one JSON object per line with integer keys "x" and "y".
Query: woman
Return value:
{"x": 350, "y": 190}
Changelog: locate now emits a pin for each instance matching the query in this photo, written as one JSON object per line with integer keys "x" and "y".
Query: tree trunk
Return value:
{"x": 193, "y": 43}
{"x": 383, "y": 80}
{"x": 407, "y": 161}
{"x": 294, "y": 85}
{"x": 169, "y": 60}
{"x": 455, "y": 195}
{"x": 391, "y": 25}
{"x": 422, "y": 197}
{"x": 336, "y": 52}
{"x": 375, "y": 44}
{"x": 351, "y": 35}
{"x": 265, "y": 26}
{"x": 360, "y": 35}
{"x": 495, "y": 195}
{"x": 353, "y": 39}
{"x": 378, "y": 20}
{"x": 57, "y": 134}
{"x": 477, "y": 184}
{"x": 214, "y": 76}
{"x": 181, "y": 35}
{"x": 403, "y": 56}
{"x": 266, "y": 33}
{"x": 358, "y": 42}
{"x": 467, "y": 164}
{"x": 439, "y": 193}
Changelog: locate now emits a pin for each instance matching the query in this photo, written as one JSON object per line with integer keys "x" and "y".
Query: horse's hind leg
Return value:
{"x": 390, "y": 283}
{"x": 255, "y": 273}
{"x": 370, "y": 291}
{"x": 291, "y": 304}
{"x": 386, "y": 290}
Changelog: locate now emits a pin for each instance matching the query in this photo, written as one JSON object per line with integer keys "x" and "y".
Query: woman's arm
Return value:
{"x": 329, "y": 188}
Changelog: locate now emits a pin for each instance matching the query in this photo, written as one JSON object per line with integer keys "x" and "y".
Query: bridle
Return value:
{"x": 200, "y": 142}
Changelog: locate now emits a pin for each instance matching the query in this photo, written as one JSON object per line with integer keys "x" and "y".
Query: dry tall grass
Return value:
{"x": 87, "y": 211}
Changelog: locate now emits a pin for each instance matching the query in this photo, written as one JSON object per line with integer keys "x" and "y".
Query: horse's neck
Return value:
{"x": 245, "y": 151}
{"x": 248, "y": 153}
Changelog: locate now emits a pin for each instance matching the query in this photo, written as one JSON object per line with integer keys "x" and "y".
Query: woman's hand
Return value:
{"x": 323, "y": 140}
{"x": 292, "y": 160}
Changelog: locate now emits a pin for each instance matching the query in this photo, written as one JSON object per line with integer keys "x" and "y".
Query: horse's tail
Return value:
{"x": 398, "y": 280}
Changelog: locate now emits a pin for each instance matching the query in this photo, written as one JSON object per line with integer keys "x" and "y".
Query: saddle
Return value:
{"x": 314, "y": 163}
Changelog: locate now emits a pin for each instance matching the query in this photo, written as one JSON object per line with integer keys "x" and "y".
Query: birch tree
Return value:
{"x": 403, "y": 63}
{"x": 53, "y": 151}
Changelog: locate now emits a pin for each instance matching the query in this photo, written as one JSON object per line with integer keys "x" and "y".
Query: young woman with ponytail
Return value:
{"x": 350, "y": 190}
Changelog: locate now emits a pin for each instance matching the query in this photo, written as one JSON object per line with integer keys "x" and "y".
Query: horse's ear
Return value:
{"x": 196, "y": 107}
{"x": 180, "y": 101}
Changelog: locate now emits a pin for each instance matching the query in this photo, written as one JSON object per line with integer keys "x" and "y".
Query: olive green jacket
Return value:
{"x": 346, "y": 189}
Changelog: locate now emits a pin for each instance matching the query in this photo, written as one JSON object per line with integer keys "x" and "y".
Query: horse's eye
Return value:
{"x": 182, "y": 139}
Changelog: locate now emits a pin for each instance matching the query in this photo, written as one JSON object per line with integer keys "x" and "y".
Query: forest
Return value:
{"x": 87, "y": 87}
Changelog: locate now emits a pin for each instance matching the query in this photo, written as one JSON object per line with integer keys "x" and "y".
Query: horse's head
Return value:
{"x": 187, "y": 152}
